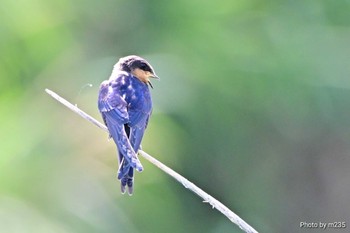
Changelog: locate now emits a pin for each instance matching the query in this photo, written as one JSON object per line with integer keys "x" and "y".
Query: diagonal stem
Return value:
{"x": 186, "y": 183}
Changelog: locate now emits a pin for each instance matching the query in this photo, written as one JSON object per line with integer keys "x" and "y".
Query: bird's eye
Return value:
{"x": 145, "y": 67}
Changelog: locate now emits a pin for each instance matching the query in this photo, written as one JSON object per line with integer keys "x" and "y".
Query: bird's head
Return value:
{"x": 138, "y": 67}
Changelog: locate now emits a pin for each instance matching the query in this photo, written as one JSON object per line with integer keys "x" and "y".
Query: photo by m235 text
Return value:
{"x": 323, "y": 225}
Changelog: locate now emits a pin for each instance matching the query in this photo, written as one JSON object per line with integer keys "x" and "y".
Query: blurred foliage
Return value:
{"x": 252, "y": 106}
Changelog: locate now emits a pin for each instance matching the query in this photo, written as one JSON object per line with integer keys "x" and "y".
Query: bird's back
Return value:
{"x": 126, "y": 94}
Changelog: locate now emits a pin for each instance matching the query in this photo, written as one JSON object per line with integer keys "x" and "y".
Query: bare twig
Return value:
{"x": 186, "y": 183}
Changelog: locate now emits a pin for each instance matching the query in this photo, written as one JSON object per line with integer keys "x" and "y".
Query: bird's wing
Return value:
{"x": 141, "y": 110}
{"x": 137, "y": 118}
{"x": 120, "y": 138}
{"x": 114, "y": 111}
{"x": 136, "y": 136}
{"x": 110, "y": 101}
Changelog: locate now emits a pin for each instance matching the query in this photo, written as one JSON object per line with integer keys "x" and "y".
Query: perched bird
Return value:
{"x": 125, "y": 104}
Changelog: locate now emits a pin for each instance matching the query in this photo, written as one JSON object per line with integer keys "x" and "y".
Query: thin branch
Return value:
{"x": 74, "y": 108}
{"x": 186, "y": 183}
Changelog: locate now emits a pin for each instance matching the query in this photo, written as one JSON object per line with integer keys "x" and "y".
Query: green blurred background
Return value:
{"x": 253, "y": 106}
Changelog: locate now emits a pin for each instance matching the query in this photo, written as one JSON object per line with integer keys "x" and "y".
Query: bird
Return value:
{"x": 125, "y": 103}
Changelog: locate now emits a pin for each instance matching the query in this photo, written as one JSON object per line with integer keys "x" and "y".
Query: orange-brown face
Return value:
{"x": 142, "y": 75}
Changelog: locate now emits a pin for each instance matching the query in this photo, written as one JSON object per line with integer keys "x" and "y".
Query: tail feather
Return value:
{"x": 128, "y": 141}
{"x": 128, "y": 180}
{"x": 123, "y": 169}
{"x": 124, "y": 147}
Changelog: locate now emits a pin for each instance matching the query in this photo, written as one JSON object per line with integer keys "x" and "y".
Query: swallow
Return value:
{"x": 125, "y": 104}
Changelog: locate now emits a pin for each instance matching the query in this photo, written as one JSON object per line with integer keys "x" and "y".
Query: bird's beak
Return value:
{"x": 154, "y": 76}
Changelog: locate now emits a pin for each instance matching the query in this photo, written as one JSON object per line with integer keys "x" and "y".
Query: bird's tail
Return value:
{"x": 126, "y": 171}
{"x": 122, "y": 141}
{"x": 127, "y": 157}
{"x": 126, "y": 177}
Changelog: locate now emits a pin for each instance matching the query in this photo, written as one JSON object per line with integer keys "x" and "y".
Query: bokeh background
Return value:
{"x": 253, "y": 106}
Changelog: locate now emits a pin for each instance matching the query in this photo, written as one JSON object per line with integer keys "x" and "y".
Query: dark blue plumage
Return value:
{"x": 125, "y": 104}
